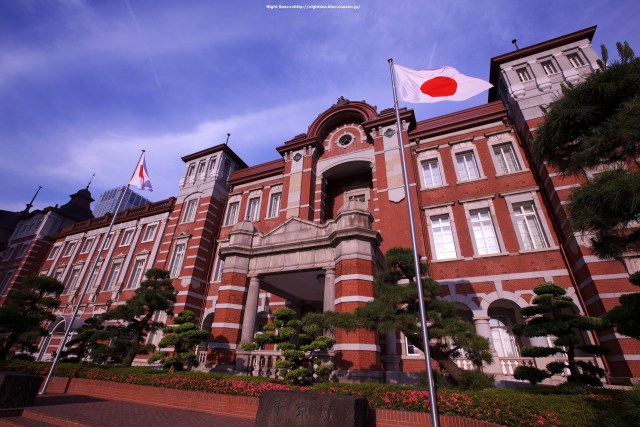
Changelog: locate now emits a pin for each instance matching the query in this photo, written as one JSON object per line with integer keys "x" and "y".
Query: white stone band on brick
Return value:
{"x": 365, "y": 277}
{"x": 225, "y": 325}
{"x": 356, "y": 347}
{"x": 231, "y": 288}
{"x": 231, "y": 306}
{"x": 353, "y": 299}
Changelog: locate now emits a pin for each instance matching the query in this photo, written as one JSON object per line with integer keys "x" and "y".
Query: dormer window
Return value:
{"x": 523, "y": 74}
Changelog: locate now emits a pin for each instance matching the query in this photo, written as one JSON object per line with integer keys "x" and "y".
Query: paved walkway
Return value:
{"x": 79, "y": 411}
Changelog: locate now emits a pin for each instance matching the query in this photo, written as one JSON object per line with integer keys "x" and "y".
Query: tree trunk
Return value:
{"x": 450, "y": 366}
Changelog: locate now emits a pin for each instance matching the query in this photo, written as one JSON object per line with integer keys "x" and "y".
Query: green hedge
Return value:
{"x": 531, "y": 407}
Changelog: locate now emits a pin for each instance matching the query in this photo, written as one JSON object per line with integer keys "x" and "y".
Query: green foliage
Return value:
{"x": 626, "y": 316}
{"x": 476, "y": 380}
{"x": 300, "y": 365}
{"x": 553, "y": 316}
{"x": 396, "y": 308}
{"x": 531, "y": 374}
{"x": 26, "y": 309}
{"x": 183, "y": 336}
{"x": 596, "y": 123}
{"x": 156, "y": 294}
{"x": 89, "y": 342}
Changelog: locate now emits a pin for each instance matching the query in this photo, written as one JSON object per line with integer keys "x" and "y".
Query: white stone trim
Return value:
{"x": 231, "y": 288}
{"x": 508, "y": 276}
{"x": 356, "y": 347}
{"x": 232, "y": 306}
{"x": 225, "y": 325}
{"x": 604, "y": 296}
{"x": 366, "y": 277}
{"x": 620, "y": 358}
{"x": 224, "y": 345}
{"x": 352, "y": 299}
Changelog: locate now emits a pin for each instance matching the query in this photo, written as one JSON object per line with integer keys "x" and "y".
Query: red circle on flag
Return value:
{"x": 439, "y": 86}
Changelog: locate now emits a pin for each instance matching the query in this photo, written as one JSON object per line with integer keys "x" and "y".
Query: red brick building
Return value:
{"x": 309, "y": 229}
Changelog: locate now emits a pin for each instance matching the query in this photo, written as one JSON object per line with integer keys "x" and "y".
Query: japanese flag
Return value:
{"x": 439, "y": 84}
{"x": 140, "y": 177}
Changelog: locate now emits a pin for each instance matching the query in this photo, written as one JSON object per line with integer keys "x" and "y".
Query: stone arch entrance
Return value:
{"x": 326, "y": 266}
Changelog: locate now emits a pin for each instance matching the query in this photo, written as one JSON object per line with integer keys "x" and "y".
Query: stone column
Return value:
{"x": 482, "y": 327}
{"x": 250, "y": 309}
{"x": 329, "y": 289}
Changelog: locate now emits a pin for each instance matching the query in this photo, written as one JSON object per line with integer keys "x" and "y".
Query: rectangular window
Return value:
{"x": 443, "y": 243}
{"x": 217, "y": 274}
{"x": 357, "y": 197}
{"x": 549, "y": 68}
{"x": 190, "y": 171}
{"x": 9, "y": 253}
{"x": 483, "y": 232}
{"x": 467, "y": 167}
{"x": 136, "y": 274}
{"x": 201, "y": 169}
{"x": 523, "y": 75}
{"x": 232, "y": 213}
{"x": 274, "y": 204}
{"x": 150, "y": 232}
{"x": 506, "y": 159}
{"x": 190, "y": 211}
{"x": 112, "y": 278}
{"x": 253, "y": 210}
{"x": 22, "y": 250}
{"x": 5, "y": 281}
{"x": 212, "y": 166}
{"x": 127, "y": 237}
{"x": 72, "y": 281}
{"x": 108, "y": 243}
{"x": 575, "y": 60}
{"x": 94, "y": 276}
{"x": 411, "y": 350}
{"x": 176, "y": 259}
{"x": 86, "y": 246}
{"x": 70, "y": 247}
{"x": 431, "y": 173}
{"x": 529, "y": 226}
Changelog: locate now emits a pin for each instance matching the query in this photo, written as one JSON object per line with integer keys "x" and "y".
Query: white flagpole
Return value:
{"x": 435, "y": 419}
{"x": 85, "y": 287}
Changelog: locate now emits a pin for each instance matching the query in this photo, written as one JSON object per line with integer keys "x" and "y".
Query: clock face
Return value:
{"x": 345, "y": 140}
{"x": 297, "y": 157}
{"x": 389, "y": 133}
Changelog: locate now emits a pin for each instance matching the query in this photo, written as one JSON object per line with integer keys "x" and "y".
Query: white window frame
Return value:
{"x": 459, "y": 152}
{"x": 529, "y": 197}
{"x": 9, "y": 253}
{"x": 22, "y": 251}
{"x": 407, "y": 346}
{"x": 127, "y": 237}
{"x": 86, "y": 245}
{"x": 5, "y": 281}
{"x": 109, "y": 240}
{"x": 92, "y": 283}
{"x": 576, "y": 60}
{"x": 529, "y": 227}
{"x": 73, "y": 280}
{"x": 233, "y": 208}
{"x": 191, "y": 171}
{"x": 500, "y": 161}
{"x": 253, "y": 207}
{"x": 429, "y": 178}
{"x": 190, "y": 210}
{"x": 54, "y": 251}
{"x": 549, "y": 67}
{"x": 114, "y": 275}
{"x": 68, "y": 251}
{"x": 212, "y": 165}
{"x": 485, "y": 203}
{"x": 444, "y": 250}
{"x": 483, "y": 236}
{"x": 202, "y": 169}
{"x": 177, "y": 258}
{"x": 217, "y": 272}
{"x": 150, "y": 232}
{"x": 500, "y": 327}
{"x": 523, "y": 74}
{"x": 275, "y": 201}
{"x": 137, "y": 273}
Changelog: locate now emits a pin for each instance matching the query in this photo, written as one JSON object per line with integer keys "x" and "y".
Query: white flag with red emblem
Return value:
{"x": 439, "y": 84}
{"x": 141, "y": 176}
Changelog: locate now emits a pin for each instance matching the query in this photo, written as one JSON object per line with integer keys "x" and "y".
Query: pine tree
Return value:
{"x": 156, "y": 294}
{"x": 626, "y": 317}
{"x": 597, "y": 123}
{"x": 89, "y": 342}
{"x": 26, "y": 312}
{"x": 551, "y": 314}
{"x": 299, "y": 341}
{"x": 396, "y": 308}
{"x": 183, "y": 336}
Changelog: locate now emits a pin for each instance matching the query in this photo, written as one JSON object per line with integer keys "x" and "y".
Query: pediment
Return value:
{"x": 296, "y": 229}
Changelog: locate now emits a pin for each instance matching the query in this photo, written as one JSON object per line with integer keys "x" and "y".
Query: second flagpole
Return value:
{"x": 435, "y": 419}
{"x": 85, "y": 287}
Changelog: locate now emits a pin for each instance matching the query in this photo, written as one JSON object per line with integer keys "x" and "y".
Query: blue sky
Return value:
{"x": 86, "y": 84}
